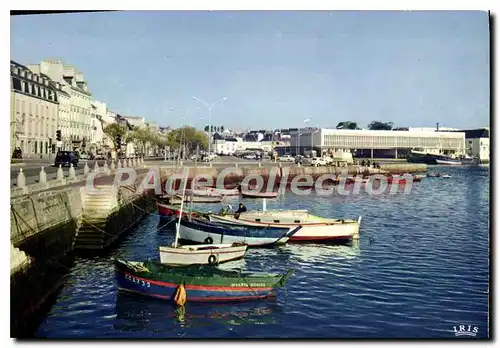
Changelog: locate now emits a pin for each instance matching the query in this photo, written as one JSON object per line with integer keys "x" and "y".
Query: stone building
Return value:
{"x": 78, "y": 127}
{"x": 34, "y": 111}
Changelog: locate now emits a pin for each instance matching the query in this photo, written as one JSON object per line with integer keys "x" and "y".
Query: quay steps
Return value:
{"x": 97, "y": 206}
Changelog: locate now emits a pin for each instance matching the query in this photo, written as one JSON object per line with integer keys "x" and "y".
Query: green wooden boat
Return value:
{"x": 201, "y": 283}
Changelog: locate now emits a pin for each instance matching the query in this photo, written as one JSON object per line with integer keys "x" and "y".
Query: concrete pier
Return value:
{"x": 48, "y": 227}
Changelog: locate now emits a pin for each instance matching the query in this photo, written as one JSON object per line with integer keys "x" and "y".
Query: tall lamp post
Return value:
{"x": 298, "y": 140}
{"x": 298, "y": 144}
{"x": 209, "y": 107}
{"x": 312, "y": 138}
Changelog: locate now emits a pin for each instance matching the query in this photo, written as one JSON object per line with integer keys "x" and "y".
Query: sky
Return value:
{"x": 276, "y": 69}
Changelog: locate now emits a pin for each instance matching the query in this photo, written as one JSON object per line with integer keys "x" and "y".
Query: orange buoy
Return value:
{"x": 180, "y": 296}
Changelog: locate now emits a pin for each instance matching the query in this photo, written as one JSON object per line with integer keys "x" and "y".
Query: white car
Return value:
{"x": 286, "y": 158}
{"x": 317, "y": 161}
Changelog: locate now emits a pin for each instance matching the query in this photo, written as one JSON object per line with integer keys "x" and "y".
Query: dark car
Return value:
{"x": 66, "y": 158}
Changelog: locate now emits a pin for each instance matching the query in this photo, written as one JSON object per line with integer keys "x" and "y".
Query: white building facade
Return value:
{"x": 478, "y": 143}
{"x": 34, "y": 112}
{"x": 80, "y": 124}
{"x": 331, "y": 140}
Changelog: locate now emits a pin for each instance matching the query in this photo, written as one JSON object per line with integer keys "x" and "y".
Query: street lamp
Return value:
{"x": 298, "y": 140}
{"x": 316, "y": 131}
{"x": 209, "y": 107}
{"x": 298, "y": 144}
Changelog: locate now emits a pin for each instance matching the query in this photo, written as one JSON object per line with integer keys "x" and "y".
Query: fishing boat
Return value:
{"x": 177, "y": 199}
{"x": 248, "y": 194}
{"x": 432, "y": 156}
{"x": 176, "y": 255}
{"x": 418, "y": 177}
{"x": 314, "y": 228}
{"x": 200, "y": 283}
{"x": 170, "y": 210}
{"x": 205, "y": 254}
{"x": 208, "y": 232}
{"x": 220, "y": 191}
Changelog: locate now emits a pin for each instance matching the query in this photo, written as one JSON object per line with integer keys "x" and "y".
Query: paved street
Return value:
{"x": 32, "y": 168}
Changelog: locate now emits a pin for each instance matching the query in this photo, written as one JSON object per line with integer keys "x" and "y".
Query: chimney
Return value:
{"x": 437, "y": 127}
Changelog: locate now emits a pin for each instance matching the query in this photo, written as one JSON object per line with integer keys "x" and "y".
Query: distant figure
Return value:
{"x": 363, "y": 163}
{"x": 241, "y": 209}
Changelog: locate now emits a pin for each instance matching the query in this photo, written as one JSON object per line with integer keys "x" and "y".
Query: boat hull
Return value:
{"x": 198, "y": 288}
{"x": 193, "y": 234}
{"x": 308, "y": 232}
{"x": 201, "y": 254}
{"x": 259, "y": 194}
{"x": 167, "y": 210}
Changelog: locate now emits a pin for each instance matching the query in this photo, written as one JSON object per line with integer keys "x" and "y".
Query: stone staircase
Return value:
{"x": 98, "y": 204}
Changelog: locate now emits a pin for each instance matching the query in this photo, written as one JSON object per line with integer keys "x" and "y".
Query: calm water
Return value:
{"x": 421, "y": 267}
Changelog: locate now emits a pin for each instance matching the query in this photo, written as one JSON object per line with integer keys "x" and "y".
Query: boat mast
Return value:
{"x": 180, "y": 212}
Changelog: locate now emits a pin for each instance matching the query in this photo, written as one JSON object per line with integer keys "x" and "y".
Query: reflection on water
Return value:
{"x": 139, "y": 313}
{"x": 420, "y": 267}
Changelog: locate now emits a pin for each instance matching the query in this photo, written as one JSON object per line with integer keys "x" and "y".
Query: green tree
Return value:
{"x": 347, "y": 125}
{"x": 113, "y": 130}
{"x": 377, "y": 125}
{"x": 207, "y": 128}
{"x": 222, "y": 128}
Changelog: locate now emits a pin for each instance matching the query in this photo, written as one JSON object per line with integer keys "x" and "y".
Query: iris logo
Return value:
{"x": 465, "y": 330}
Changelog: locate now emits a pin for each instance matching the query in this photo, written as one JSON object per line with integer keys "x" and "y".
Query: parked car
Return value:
{"x": 299, "y": 159}
{"x": 66, "y": 158}
{"x": 84, "y": 157}
{"x": 318, "y": 161}
{"x": 286, "y": 158}
{"x": 99, "y": 157}
{"x": 250, "y": 157}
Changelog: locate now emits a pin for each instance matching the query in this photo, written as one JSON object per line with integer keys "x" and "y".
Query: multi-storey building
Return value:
{"x": 98, "y": 117}
{"x": 34, "y": 111}
{"x": 78, "y": 133}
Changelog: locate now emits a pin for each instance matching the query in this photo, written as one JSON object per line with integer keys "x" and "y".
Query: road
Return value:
{"x": 31, "y": 168}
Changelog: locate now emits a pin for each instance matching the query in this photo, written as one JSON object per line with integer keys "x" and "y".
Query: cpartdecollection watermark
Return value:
{"x": 277, "y": 181}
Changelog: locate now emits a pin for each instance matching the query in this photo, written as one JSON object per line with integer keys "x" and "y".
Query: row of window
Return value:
{"x": 33, "y": 89}
{"x": 390, "y": 142}
{"x": 29, "y": 75}
{"x": 34, "y": 126}
{"x": 80, "y": 96}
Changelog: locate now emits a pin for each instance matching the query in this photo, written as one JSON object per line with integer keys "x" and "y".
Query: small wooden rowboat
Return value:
{"x": 207, "y": 254}
{"x": 177, "y": 199}
{"x": 201, "y": 283}
{"x": 249, "y": 194}
{"x": 313, "y": 228}
{"x": 208, "y": 232}
{"x": 169, "y": 210}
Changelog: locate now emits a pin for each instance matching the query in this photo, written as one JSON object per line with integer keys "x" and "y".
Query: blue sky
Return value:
{"x": 275, "y": 68}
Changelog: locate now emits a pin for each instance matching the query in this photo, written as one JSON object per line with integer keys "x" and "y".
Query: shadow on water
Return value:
{"x": 138, "y": 313}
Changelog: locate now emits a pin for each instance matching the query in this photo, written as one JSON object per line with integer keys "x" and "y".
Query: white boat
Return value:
{"x": 314, "y": 228}
{"x": 452, "y": 162}
{"x": 210, "y": 254}
{"x": 201, "y": 254}
{"x": 208, "y": 232}
{"x": 222, "y": 191}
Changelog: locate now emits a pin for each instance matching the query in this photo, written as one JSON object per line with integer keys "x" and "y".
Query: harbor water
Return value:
{"x": 419, "y": 269}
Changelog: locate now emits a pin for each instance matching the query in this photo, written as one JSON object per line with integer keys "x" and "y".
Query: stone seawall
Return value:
{"x": 231, "y": 176}
{"x": 43, "y": 234}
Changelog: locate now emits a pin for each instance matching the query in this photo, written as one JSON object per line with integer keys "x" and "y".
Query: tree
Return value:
{"x": 113, "y": 130}
{"x": 347, "y": 125}
{"x": 207, "y": 128}
{"x": 222, "y": 128}
{"x": 377, "y": 125}
{"x": 211, "y": 129}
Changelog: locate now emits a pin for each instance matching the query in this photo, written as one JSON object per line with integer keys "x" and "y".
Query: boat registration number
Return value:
{"x": 138, "y": 281}
{"x": 250, "y": 285}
